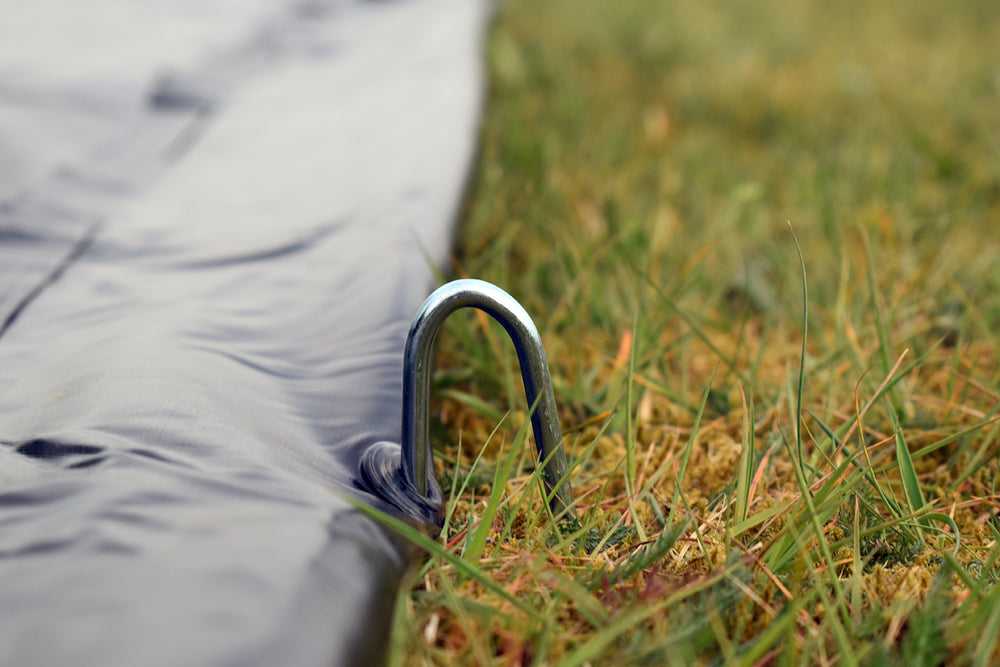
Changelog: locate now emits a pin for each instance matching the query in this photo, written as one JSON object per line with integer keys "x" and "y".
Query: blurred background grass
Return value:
{"x": 673, "y": 126}
{"x": 635, "y": 146}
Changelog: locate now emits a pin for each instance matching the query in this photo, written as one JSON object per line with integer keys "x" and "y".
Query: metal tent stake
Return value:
{"x": 417, "y": 367}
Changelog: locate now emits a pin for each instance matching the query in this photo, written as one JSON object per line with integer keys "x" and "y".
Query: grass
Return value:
{"x": 760, "y": 244}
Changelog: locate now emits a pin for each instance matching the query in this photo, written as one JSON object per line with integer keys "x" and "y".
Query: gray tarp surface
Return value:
{"x": 216, "y": 220}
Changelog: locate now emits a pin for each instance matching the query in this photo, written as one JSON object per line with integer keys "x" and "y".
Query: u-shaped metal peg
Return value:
{"x": 417, "y": 368}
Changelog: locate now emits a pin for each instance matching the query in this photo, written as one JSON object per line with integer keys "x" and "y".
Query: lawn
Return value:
{"x": 760, "y": 241}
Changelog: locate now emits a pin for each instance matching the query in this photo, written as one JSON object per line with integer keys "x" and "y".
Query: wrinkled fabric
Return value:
{"x": 216, "y": 221}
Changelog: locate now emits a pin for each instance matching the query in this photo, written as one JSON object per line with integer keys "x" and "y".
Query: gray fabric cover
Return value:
{"x": 216, "y": 221}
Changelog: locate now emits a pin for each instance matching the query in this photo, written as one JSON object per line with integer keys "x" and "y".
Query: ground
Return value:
{"x": 760, "y": 243}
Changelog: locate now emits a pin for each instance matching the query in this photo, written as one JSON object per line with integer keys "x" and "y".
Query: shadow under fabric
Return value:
{"x": 206, "y": 278}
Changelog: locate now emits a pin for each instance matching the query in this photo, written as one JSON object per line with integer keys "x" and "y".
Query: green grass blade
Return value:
{"x": 802, "y": 355}
{"x": 907, "y": 472}
{"x": 474, "y": 548}
{"x": 746, "y": 467}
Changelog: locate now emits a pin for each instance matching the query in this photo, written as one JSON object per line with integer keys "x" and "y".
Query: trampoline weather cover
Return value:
{"x": 215, "y": 225}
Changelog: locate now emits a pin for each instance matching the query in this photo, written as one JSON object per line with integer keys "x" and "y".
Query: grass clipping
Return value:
{"x": 766, "y": 472}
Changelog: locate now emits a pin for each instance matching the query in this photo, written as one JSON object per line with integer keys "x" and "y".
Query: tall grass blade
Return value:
{"x": 802, "y": 356}
{"x": 907, "y": 472}
{"x": 746, "y": 467}
{"x": 630, "y": 432}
